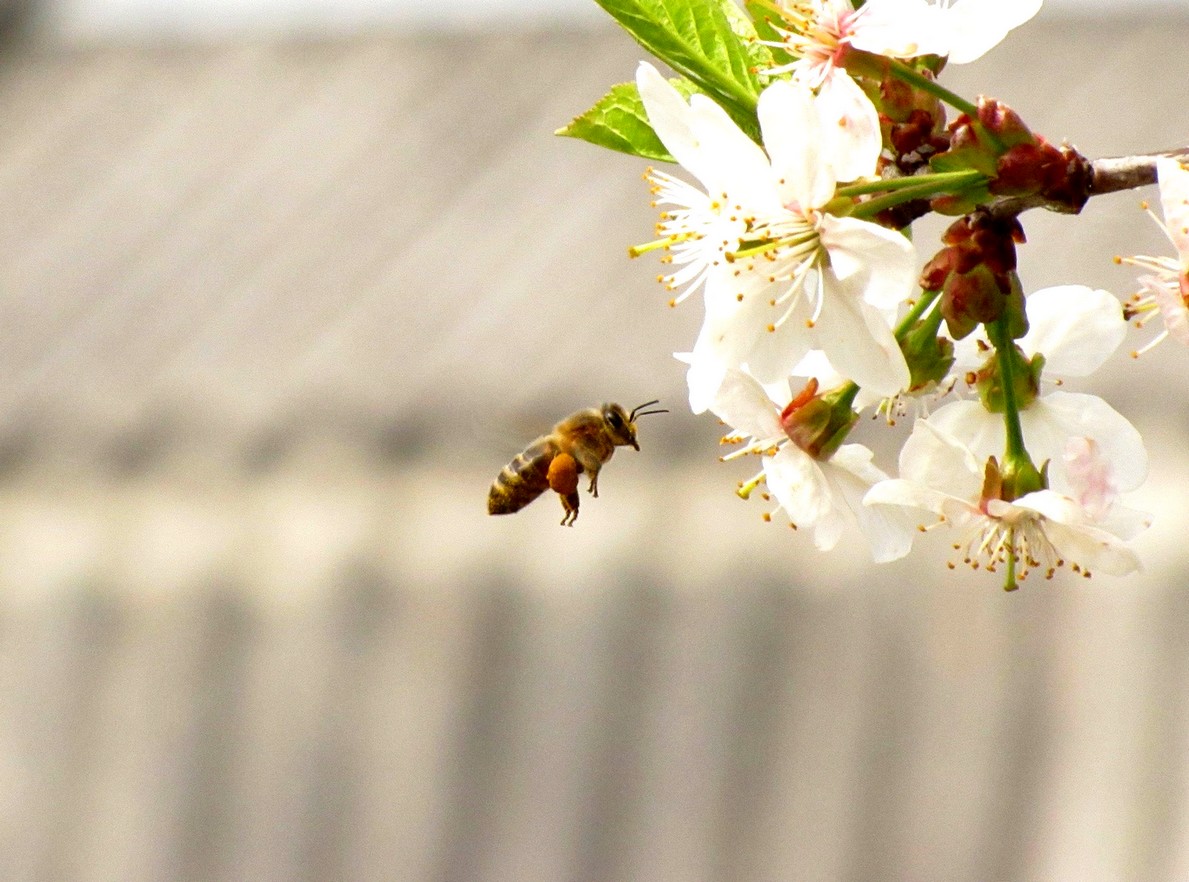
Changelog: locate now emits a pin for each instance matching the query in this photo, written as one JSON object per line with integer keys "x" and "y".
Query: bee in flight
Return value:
{"x": 580, "y": 443}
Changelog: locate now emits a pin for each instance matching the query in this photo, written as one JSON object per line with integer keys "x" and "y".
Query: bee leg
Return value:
{"x": 563, "y": 479}
{"x": 569, "y": 502}
{"x": 594, "y": 484}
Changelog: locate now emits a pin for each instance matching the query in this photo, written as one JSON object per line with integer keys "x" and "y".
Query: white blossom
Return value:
{"x": 1166, "y": 284}
{"x": 779, "y": 274}
{"x": 1042, "y": 530}
{"x": 825, "y": 495}
{"x": 1076, "y": 329}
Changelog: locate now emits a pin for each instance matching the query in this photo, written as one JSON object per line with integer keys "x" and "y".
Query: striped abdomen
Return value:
{"x": 523, "y": 479}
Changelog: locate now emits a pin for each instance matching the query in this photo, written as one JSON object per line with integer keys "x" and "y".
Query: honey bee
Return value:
{"x": 581, "y": 443}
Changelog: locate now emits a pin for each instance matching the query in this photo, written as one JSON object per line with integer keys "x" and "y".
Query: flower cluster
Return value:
{"x": 813, "y": 142}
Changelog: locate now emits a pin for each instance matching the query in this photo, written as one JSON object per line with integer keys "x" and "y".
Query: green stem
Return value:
{"x": 918, "y": 309}
{"x": 1015, "y": 453}
{"x": 903, "y": 72}
{"x": 916, "y": 190}
{"x": 941, "y": 181}
{"x": 1009, "y": 578}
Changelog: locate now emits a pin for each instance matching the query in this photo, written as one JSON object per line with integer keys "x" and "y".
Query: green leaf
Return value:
{"x": 759, "y": 56}
{"x": 696, "y": 39}
{"x": 618, "y": 121}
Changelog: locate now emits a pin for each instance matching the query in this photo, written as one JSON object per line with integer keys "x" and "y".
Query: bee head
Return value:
{"x": 622, "y": 425}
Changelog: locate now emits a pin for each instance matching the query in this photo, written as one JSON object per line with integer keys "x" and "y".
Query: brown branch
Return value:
{"x": 1108, "y": 175}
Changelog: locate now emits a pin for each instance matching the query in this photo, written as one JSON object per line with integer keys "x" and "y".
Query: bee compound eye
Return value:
{"x": 614, "y": 420}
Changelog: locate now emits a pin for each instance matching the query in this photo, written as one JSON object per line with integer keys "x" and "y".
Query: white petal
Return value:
{"x": 743, "y": 405}
{"x": 1076, "y": 328}
{"x": 703, "y": 378}
{"x": 791, "y": 136}
{"x": 889, "y": 531}
{"x": 850, "y": 134}
{"x": 884, "y": 259}
{"x": 702, "y": 137}
{"x": 1174, "y": 199}
{"x": 1096, "y": 551}
{"x": 798, "y": 484}
{"x": 898, "y": 492}
{"x": 976, "y": 26}
{"x": 858, "y": 341}
{"x": 934, "y": 458}
{"x": 670, "y": 117}
{"x": 734, "y": 164}
{"x": 1072, "y": 535}
{"x": 971, "y": 424}
{"x": 1124, "y": 522}
{"x": 901, "y": 29}
{"x": 737, "y": 322}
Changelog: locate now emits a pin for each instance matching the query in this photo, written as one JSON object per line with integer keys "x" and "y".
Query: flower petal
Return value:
{"x": 1171, "y": 305}
{"x": 884, "y": 260}
{"x": 790, "y": 126}
{"x": 857, "y": 340}
{"x": 1055, "y": 418}
{"x": 932, "y": 457}
{"x": 900, "y": 29}
{"x": 850, "y": 134}
{"x": 889, "y": 531}
{"x": 798, "y": 484}
{"x": 1076, "y": 328}
{"x": 743, "y": 405}
{"x": 976, "y": 26}
{"x": 1174, "y": 200}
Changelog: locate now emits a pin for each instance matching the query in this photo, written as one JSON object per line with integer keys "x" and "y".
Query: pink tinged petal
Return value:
{"x": 790, "y": 126}
{"x": 1172, "y": 307}
{"x": 1174, "y": 200}
{"x": 858, "y": 341}
{"x": 881, "y": 260}
{"x": 1076, "y": 328}
{"x": 850, "y": 134}
{"x": 1089, "y": 475}
{"x": 973, "y": 27}
{"x": 743, "y": 405}
{"x": 1055, "y": 418}
{"x": 933, "y": 458}
{"x": 798, "y": 484}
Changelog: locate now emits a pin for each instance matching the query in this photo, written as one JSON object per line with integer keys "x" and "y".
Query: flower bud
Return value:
{"x": 929, "y": 357}
{"x": 1025, "y": 381}
{"x": 818, "y": 424}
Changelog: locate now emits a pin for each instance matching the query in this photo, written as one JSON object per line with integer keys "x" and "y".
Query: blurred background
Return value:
{"x": 283, "y": 285}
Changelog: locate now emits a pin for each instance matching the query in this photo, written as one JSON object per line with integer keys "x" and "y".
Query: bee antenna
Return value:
{"x": 639, "y": 411}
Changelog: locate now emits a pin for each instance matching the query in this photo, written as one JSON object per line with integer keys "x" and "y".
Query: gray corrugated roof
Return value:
{"x": 236, "y": 237}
